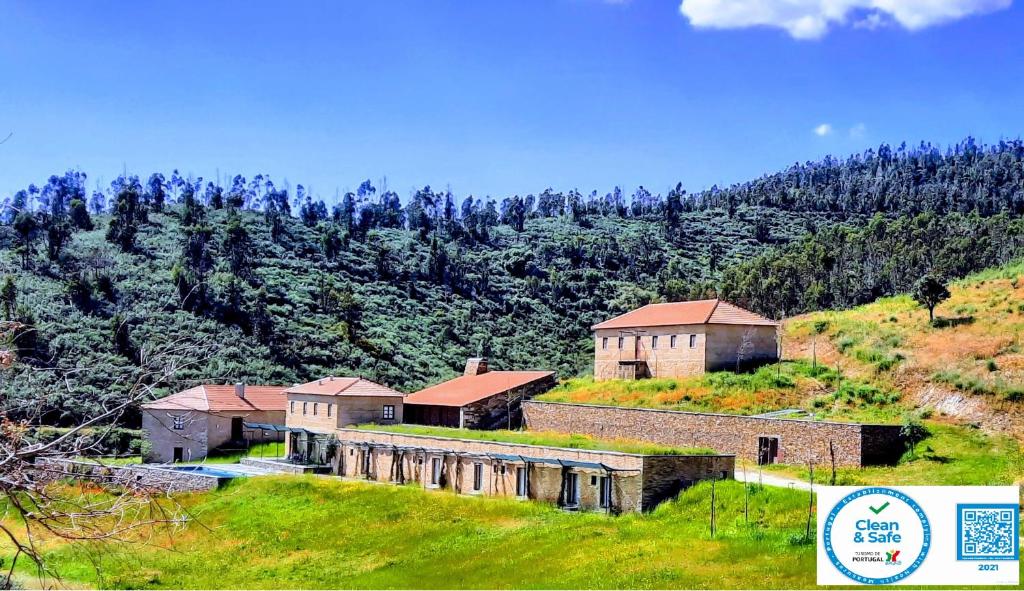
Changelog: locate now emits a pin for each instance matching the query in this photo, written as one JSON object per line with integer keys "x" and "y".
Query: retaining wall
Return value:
{"x": 141, "y": 478}
{"x": 799, "y": 441}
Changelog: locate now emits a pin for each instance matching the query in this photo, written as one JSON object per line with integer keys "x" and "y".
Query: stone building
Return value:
{"x": 571, "y": 478}
{"x": 765, "y": 440}
{"x": 317, "y": 408}
{"x": 478, "y": 399}
{"x": 682, "y": 339}
{"x": 189, "y": 424}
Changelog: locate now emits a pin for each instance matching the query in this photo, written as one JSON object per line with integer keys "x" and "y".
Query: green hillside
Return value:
{"x": 390, "y": 306}
{"x": 248, "y": 281}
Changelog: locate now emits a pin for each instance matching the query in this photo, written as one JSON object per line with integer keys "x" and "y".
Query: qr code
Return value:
{"x": 988, "y": 532}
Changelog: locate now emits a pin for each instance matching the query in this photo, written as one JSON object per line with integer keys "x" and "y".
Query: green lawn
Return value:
{"x": 307, "y": 532}
{"x": 952, "y": 455}
{"x": 549, "y": 438}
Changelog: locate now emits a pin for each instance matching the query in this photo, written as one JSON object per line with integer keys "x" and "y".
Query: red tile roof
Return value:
{"x": 215, "y": 397}
{"x": 337, "y": 386}
{"x": 465, "y": 390}
{"x": 695, "y": 312}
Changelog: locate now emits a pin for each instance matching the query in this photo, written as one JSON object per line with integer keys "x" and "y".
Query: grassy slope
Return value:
{"x": 550, "y": 438}
{"x": 968, "y": 367}
{"x": 792, "y": 384}
{"x": 865, "y": 364}
{"x": 289, "y": 532}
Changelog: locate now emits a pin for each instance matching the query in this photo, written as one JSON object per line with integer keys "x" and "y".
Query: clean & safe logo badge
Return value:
{"x": 877, "y": 536}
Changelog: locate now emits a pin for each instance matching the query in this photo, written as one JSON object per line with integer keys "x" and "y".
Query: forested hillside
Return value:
{"x": 255, "y": 282}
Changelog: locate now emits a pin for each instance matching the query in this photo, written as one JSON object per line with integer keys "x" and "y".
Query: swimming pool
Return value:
{"x": 207, "y": 471}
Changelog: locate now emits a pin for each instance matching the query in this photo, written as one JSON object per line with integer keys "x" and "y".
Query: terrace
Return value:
{"x": 542, "y": 438}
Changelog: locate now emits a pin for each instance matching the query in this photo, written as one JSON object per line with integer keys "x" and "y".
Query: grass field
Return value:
{"x": 952, "y": 455}
{"x": 549, "y": 438}
{"x": 288, "y": 532}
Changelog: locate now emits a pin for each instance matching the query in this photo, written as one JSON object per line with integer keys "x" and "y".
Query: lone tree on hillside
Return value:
{"x": 929, "y": 291}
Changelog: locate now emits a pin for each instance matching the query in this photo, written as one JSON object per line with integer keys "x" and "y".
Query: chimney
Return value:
{"x": 240, "y": 389}
{"x": 475, "y": 366}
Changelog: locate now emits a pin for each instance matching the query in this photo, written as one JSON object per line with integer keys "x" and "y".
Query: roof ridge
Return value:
{"x": 712, "y": 312}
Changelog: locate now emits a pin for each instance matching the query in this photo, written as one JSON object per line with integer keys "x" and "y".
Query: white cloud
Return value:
{"x": 811, "y": 19}
{"x": 823, "y": 130}
{"x": 858, "y": 131}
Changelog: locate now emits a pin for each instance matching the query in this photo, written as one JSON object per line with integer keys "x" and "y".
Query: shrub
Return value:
{"x": 991, "y": 365}
{"x": 100, "y": 441}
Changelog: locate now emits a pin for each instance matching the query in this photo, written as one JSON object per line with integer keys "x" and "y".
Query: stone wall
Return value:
{"x": 665, "y": 476}
{"x": 139, "y": 478}
{"x": 496, "y": 412}
{"x": 344, "y": 411}
{"x": 662, "y": 358}
{"x": 201, "y": 432}
{"x": 798, "y": 440}
{"x": 162, "y": 437}
{"x": 732, "y": 346}
{"x": 715, "y": 347}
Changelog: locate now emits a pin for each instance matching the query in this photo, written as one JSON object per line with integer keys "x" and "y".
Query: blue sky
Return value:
{"x": 495, "y": 98}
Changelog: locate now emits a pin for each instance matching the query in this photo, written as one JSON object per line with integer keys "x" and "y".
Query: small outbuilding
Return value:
{"x": 190, "y": 424}
{"x": 478, "y": 399}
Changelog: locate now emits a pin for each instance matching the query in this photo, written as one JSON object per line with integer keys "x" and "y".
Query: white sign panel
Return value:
{"x": 918, "y": 535}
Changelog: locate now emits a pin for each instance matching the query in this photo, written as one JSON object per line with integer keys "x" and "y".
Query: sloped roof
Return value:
{"x": 217, "y": 397}
{"x": 338, "y": 386}
{"x": 465, "y": 390}
{"x": 695, "y": 312}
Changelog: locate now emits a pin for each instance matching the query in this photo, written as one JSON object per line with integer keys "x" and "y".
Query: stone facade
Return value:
{"x": 140, "y": 478}
{"x": 788, "y": 441}
{"x": 502, "y": 411}
{"x": 680, "y": 350}
{"x": 602, "y": 480}
{"x": 197, "y": 433}
{"x": 322, "y": 412}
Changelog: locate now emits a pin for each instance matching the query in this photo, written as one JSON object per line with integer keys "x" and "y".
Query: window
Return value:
{"x": 672, "y": 341}
{"x": 593, "y": 481}
{"x": 606, "y": 492}
{"x": 304, "y": 404}
{"x": 291, "y": 407}
{"x": 179, "y": 422}
{"x": 621, "y": 341}
{"x": 502, "y": 469}
{"x": 389, "y": 412}
{"x": 693, "y": 341}
{"x": 478, "y": 476}
{"x": 521, "y": 476}
{"x": 315, "y": 405}
{"x": 604, "y": 342}
{"x": 330, "y": 407}
{"x": 435, "y": 471}
{"x": 654, "y": 342}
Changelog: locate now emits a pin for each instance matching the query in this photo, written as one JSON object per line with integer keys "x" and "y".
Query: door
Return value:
{"x": 606, "y": 492}
{"x": 179, "y": 455}
{"x": 236, "y": 429}
{"x": 767, "y": 450}
{"x": 521, "y": 488}
{"x": 572, "y": 489}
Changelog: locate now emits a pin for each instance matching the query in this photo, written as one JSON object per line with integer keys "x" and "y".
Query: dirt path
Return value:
{"x": 769, "y": 479}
